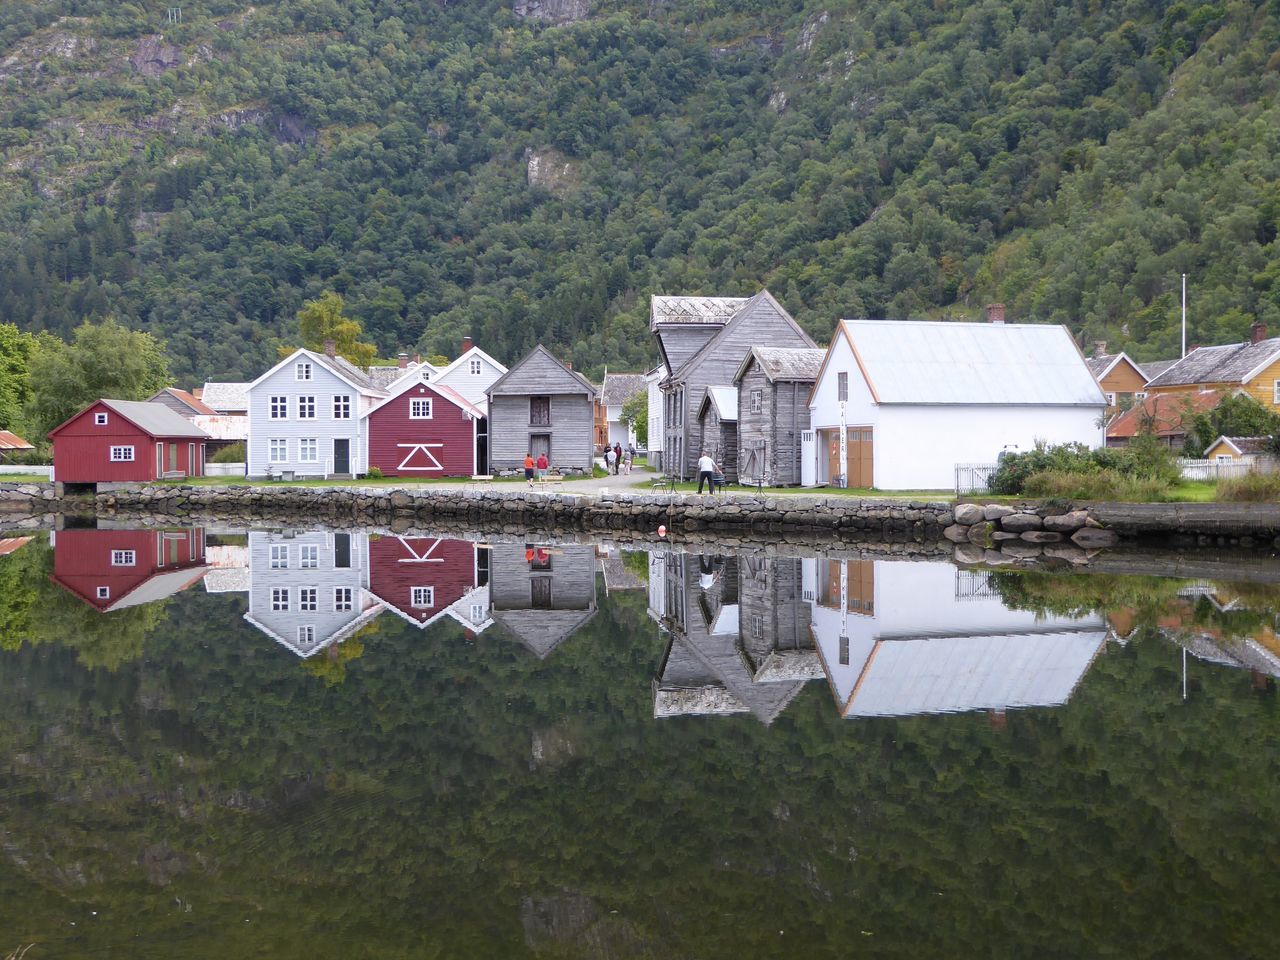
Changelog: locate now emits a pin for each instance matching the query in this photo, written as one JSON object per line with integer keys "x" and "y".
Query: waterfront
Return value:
{"x": 287, "y": 741}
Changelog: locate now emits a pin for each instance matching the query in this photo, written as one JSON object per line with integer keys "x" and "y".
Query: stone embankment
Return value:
{"x": 996, "y": 533}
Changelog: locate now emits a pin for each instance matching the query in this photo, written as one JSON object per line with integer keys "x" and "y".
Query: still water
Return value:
{"x": 293, "y": 743}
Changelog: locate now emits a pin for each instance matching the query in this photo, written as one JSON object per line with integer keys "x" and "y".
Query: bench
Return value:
{"x": 480, "y": 480}
{"x": 549, "y": 478}
{"x": 664, "y": 482}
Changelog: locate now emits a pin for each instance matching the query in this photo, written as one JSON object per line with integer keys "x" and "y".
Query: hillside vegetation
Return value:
{"x": 477, "y": 168}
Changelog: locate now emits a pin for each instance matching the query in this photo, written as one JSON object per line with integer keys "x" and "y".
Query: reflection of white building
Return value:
{"x": 309, "y": 590}
{"x": 899, "y": 638}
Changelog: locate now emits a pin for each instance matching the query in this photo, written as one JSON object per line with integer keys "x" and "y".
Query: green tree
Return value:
{"x": 323, "y": 319}
{"x": 635, "y": 411}
{"x": 1236, "y": 416}
{"x": 16, "y": 349}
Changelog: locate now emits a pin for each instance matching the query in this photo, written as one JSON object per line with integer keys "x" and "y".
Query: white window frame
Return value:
{"x": 279, "y": 557}
{"x": 308, "y": 599}
{"x": 302, "y": 370}
{"x": 842, "y": 386}
{"x": 342, "y": 406}
{"x": 1111, "y": 398}
{"x": 421, "y": 598}
{"x": 104, "y": 593}
{"x": 1223, "y": 458}
{"x": 307, "y": 407}
{"x": 415, "y": 408}
{"x": 308, "y": 556}
{"x": 308, "y": 450}
{"x": 100, "y": 419}
{"x": 278, "y": 407}
{"x": 477, "y": 613}
{"x": 476, "y": 367}
{"x": 124, "y": 558}
{"x": 280, "y": 598}
{"x": 122, "y": 454}
{"x": 1139, "y": 394}
{"x": 274, "y": 445}
{"x": 757, "y": 401}
{"x": 306, "y": 634}
{"x": 342, "y": 599}
{"x": 1275, "y": 392}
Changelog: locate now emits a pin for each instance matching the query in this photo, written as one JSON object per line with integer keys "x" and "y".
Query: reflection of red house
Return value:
{"x": 113, "y": 569}
{"x": 120, "y": 440}
{"x": 422, "y": 430}
{"x": 421, "y": 577}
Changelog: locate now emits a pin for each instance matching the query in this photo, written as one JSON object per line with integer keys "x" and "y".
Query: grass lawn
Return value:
{"x": 23, "y": 478}
{"x": 320, "y": 482}
{"x": 932, "y": 496}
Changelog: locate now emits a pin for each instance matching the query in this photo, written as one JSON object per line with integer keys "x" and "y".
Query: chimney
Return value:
{"x": 1257, "y": 333}
{"x": 331, "y": 348}
{"x": 466, "y": 345}
{"x": 1099, "y": 348}
{"x": 402, "y": 360}
{"x": 568, "y": 364}
{"x": 417, "y": 358}
{"x": 995, "y": 313}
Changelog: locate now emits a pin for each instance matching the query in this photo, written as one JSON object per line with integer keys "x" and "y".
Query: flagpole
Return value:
{"x": 1184, "y": 314}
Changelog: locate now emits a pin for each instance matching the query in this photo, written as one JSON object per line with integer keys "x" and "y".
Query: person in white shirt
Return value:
{"x": 706, "y": 471}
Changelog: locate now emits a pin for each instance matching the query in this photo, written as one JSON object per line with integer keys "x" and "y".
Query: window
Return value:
{"x": 309, "y": 556}
{"x": 844, "y": 651}
{"x": 1275, "y": 392}
{"x": 539, "y": 411}
{"x": 279, "y": 408}
{"x": 757, "y": 626}
{"x": 308, "y": 450}
{"x": 1140, "y": 394}
{"x": 1223, "y": 458}
{"x": 302, "y": 371}
{"x": 475, "y": 368}
{"x": 306, "y": 408}
{"x": 341, "y": 599}
{"x": 842, "y": 386}
{"x": 306, "y": 634}
{"x": 277, "y": 451}
{"x": 307, "y": 599}
{"x": 279, "y": 598}
{"x": 757, "y": 401}
{"x": 342, "y": 407}
{"x": 1111, "y": 399}
{"x": 104, "y": 593}
{"x": 279, "y": 556}
{"x": 122, "y": 454}
{"x": 477, "y": 613}
{"x": 123, "y": 558}
{"x": 99, "y": 419}
{"x": 420, "y": 408}
{"x": 422, "y": 597}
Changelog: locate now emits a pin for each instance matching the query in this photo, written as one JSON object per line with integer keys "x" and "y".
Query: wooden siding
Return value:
{"x": 1263, "y": 387}
{"x": 324, "y": 386}
{"x": 472, "y": 386}
{"x": 82, "y": 560}
{"x": 541, "y": 374}
{"x": 398, "y": 564}
{"x": 769, "y": 441}
{"x": 681, "y": 341}
{"x": 720, "y": 439}
{"x": 570, "y": 431}
{"x": 1123, "y": 379}
{"x": 447, "y": 439}
{"x": 82, "y": 450}
{"x": 773, "y": 613}
{"x": 167, "y": 399}
{"x": 569, "y": 586}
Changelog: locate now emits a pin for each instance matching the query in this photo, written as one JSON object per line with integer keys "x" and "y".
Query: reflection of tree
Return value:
{"x": 330, "y": 664}
{"x": 19, "y": 572}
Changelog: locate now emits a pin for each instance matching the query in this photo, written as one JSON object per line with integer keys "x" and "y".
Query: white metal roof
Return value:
{"x": 930, "y": 362}
{"x": 223, "y": 426}
{"x": 709, "y": 310}
{"x": 223, "y": 396}
{"x": 725, "y": 400}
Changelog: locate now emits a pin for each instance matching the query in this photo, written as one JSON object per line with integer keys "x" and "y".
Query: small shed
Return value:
{"x": 1241, "y": 450}
{"x": 113, "y": 569}
{"x": 773, "y": 411}
{"x": 127, "y": 440}
{"x": 12, "y": 443}
{"x": 424, "y": 429}
{"x": 718, "y": 429}
{"x": 541, "y": 406}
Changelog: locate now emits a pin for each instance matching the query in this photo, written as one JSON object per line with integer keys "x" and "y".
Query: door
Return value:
{"x": 342, "y": 456}
{"x": 540, "y": 443}
{"x": 861, "y": 462}
{"x": 173, "y": 457}
{"x": 482, "y": 446}
{"x": 341, "y": 550}
{"x": 540, "y": 593}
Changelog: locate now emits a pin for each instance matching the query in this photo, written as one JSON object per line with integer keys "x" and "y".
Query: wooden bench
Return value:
{"x": 481, "y": 480}
{"x": 663, "y": 482}
{"x": 549, "y": 478}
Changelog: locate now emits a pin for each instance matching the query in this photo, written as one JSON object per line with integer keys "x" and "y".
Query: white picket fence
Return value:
{"x": 25, "y": 470}
{"x": 224, "y": 469}
{"x": 973, "y": 477}
{"x": 1223, "y": 469}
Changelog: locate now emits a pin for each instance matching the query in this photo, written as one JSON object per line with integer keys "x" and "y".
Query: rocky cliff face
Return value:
{"x": 552, "y": 11}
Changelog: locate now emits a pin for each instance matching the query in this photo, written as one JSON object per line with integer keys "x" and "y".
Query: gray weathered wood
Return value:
{"x": 540, "y": 374}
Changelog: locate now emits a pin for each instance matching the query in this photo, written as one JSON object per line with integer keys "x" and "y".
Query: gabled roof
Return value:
{"x": 1162, "y": 414}
{"x": 540, "y": 351}
{"x": 987, "y": 364}
{"x": 618, "y": 388}
{"x": 692, "y": 310}
{"x": 544, "y": 630}
{"x": 725, "y": 400}
{"x": 407, "y": 382}
{"x": 473, "y": 352}
{"x": 1232, "y": 363}
{"x": 1153, "y": 368}
{"x": 225, "y": 396}
{"x": 1101, "y": 366}
{"x": 153, "y": 418}
{"x": 1243, "y": 445}
{"x": 9, "y": 544}
{"x": 182, "y": 396}
{"x": 11, "y": 441}
{"x": 340, "y": 367}
{"x": 784, "y": 363}
{"x": 384, "y": 375}
{"x": 727, "y": 331}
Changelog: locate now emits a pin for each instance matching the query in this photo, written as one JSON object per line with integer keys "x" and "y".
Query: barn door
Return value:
{"x": 861, "y": 458}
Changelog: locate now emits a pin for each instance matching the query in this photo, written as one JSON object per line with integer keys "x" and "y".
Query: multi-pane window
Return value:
{"x": 757, "y": 401}
{"x": 475, "y": 368}
{"x": 104, "y": 593}
{"x": 122, "y": 454}
{"x": 477, "y": 613}
{"x": 308, "y": 556}
{"x": 306, "y": 408}
{"x": 540, "y": 411}
{"x": 842, "y": 386}
{"x": 303, "y": 371}
{"x": 123, "y": 558}
{"x": 279, "y": 408}
{"x": 277, "y": 451}
{"x": 844, "y": 651}
{"x": 306, "y": 634}
{"x": 342, "y": 407}
{"x": 307, "y": 599}
{"x": 341, "y": 599}
{"x": 1275, "y": 392}
{"x": 757, "y": 626}
{"x": 279, "y": 556}
{"x": 308, "y": 450}
{"x": 279, "y": 598}
{"x": 100, "y": 419}
{"x": 422, "y": 597}
{"x": 420, "y": 408}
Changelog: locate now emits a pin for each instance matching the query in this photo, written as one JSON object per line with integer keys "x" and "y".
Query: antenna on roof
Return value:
{"x": 1184, "y": 315}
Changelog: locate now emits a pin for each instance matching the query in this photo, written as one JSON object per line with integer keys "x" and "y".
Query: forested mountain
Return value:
{"x": 531, "y": 170}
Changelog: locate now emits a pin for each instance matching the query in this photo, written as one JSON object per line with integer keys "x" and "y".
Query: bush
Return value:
{"x": 1146, "y": 464}
{"x": 374, "y": 474}
{"x": 1096, "y": 485}
{"x": 232, "y": 454}
{"x": 1251, "y": 488}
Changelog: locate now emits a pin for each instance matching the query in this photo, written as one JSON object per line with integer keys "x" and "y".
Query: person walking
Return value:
{"x": 608, "y": 459}
{"x": 706, "y": 472}
{"x": 543, "y": 464}
{"x": 528, "y": 468}
{"x": 626, "y": 461}
{"x": 617, "y": 457}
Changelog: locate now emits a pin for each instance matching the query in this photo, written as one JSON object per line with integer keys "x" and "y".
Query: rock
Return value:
{"x": 999, "y": 535}
{"x": 153, "y": 56}
{"x": 1066, "y": 551}
{"x": 1091, "y": 538}
{"x": 995, "y": 558}
{"x": 956, "y": 533}
{"x": 968, "y": 514}
{"x": 1067, "y": 522}
{"x": 552, "y": 11}
{"x": 1019, "y": 550}
{"x": 1021, "y": 522}
{"x": 1041, "y": 536}
{"x": 997, "y": 511}
{"x": 969, "y": 553}
{"x": 980, "y": 533}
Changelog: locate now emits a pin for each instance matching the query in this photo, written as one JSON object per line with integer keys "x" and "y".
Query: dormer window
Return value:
{"x": 475, "y": 368}
{"x": 303, "y": 371}
{"x": 99, "y": 419}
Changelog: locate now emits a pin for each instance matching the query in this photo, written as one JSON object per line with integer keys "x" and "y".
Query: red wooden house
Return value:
{"x": 422, "y": 578}
{"x": 114, "y": 569}
{"x": 422, "y": 430}
{"x": 123, "y": 440}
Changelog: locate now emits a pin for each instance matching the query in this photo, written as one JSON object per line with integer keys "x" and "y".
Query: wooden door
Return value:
{"x": 342, "y": 456}
{"x": 861, "y": 460}
{"x": 540, "y": 443}
{"x": 833, "y": 455}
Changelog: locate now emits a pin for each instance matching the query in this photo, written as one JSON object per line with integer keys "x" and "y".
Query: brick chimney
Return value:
{"x": 1257, "y": 333}
{"x": 417, "y": 358}
{"x": 466, "y": 345}
{"x": 402, "y": 360}
{"x": 331, "y": 348}
{"x": 1099, "y": 348}
{"x": 995, "y": 313}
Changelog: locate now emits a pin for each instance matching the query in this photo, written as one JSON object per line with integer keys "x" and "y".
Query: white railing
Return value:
{"x": 1223, "y": 469}
{"x": 973, "y": 477}
{"x": 34, "y": 470}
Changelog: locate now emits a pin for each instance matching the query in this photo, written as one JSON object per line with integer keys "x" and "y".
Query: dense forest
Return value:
{"x": 527, "y": 170}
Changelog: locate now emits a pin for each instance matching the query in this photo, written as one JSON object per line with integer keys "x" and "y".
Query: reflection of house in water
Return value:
{"x": 309, "y": 589}
{"x": 542, "y": 594}
{"x": 425, "y": 578}
{"x": 739, "y": 631}
{"x": 228, "y": 568}
{"x": 1248, "y": 643}
{"x": 899, "y": 638}
{"x": 114, "y": 569}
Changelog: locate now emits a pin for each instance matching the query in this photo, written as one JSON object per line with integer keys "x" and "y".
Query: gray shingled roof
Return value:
{"x": 785, "y": 363}
{"x": 618, "y": 388}
{"x": 711, "y": 310}
{"x": 156, "y": 419}
{"x": 225, "y": 396}
{"x": 384, "y": 376}
{"x": 345, "y": 368}
{"x": 1098, "y": 364}
{"x": 1153, "y": 368}
{"x": 1231, "y": 363}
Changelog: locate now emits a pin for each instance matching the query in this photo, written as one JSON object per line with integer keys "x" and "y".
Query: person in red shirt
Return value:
{"x": 528, "y": 468}
{"x": 543, "y": 464}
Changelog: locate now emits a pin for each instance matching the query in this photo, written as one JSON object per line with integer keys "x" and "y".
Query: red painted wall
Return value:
{"x": 82, "y": 559}
{"x": 82, "y": 450}
{"x": 390, "y": 425}
{"x": 395, "y": 568}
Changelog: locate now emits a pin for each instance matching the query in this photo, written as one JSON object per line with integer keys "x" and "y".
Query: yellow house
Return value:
{"x": 1239, "y": 449}
{"x": 1252, "y": 367}
{"x": 1122, "y": 380}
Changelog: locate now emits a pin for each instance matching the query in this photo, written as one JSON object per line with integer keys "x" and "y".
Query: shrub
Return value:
{"x": 374, "y": 474}
{"x": 1251, "y": 488}
{"x": 1146, "y": 464}
{"x": 232, "y": 454}
{"x": 1096, "y": 485}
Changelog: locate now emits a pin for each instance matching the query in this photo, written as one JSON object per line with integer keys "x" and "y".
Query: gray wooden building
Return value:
{"x": 773, "y": 411}
{"x": 539, "y": 406}
{"x": 703, "y": 344}
{"x": 542, "y": 594}
{"x": 718, "y": 429}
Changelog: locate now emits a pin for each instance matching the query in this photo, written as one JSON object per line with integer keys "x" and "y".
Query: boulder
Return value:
{"x": 997, "y": 511}
{"x": 1021, "y": 522}
{"x": 998, "y": 535}
{"x": 969, "y": 553}
{"x": 995, "y": 558}
{"x": 981, "y": 533}
{"x": 1067, "y": 522}
{"x": 1092, "y": 538}
{"x": 969, "y": 514}
{"x": 1019, "y": 550}
{"x": 1066, "y": 551}
{"x": 1042, "y": 536}
{"x": 956, "y": 533}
